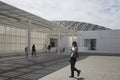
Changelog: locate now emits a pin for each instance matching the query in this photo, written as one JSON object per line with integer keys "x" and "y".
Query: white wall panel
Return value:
{"x": 8, "y": 31}
{"x": 2, "y": 38}
{"x": 2, "y": 47}
{"x": 8, "y": 38}
{"x": 2, "y": 30}
{"x": 107, "y": 40}
{"x": 15, "y": 39}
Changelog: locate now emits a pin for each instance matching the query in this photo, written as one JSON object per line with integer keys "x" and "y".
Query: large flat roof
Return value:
{"x": 12, "y": 16}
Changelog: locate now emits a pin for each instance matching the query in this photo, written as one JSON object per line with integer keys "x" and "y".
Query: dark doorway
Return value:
{"x": 93, "y": 44}
{"x": 53, "y": 42}
{"x": 90, "y": 43}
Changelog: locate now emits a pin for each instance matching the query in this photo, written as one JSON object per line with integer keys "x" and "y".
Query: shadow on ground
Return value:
{"x": 80, "y": 78}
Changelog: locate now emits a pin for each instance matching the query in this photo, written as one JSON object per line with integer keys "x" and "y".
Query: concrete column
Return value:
{"x": 58, "y": 47}
{"x": 50, "y": 33}
{"x": 29, "y": 40}
{"x": 48, "y": 38}
{"x": 72, "y": 38}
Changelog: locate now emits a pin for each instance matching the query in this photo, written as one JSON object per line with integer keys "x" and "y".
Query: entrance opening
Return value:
{"x": 53, "y": 42}
{"x": 90, "y": 43}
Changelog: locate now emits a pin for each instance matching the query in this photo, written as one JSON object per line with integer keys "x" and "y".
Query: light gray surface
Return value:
{"x": 93, "y": 68}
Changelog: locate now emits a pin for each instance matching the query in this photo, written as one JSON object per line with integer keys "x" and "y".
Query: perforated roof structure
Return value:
{"x": 13, "y": 16}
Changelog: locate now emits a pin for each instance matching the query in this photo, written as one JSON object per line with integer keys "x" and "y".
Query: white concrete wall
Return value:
{"x": 65, "y": 42}
{"x": 106, "y": 40}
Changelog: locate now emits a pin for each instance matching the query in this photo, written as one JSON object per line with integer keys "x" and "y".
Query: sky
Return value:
{"x": 101, "y": 12}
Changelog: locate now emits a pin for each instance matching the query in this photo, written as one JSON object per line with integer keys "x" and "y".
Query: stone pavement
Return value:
{"x": 92, "y": 67}
{"x": 20, "y": 68}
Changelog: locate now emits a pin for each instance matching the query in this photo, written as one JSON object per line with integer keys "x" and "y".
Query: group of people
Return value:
{"x": 33, "y": 50}
{"x": 73, "y": 57}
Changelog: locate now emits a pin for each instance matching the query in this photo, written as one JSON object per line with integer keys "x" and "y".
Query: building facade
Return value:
{"x": 101, "y": 41}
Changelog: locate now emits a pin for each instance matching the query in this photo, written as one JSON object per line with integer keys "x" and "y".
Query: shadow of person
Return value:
{"x": 80, "y": 78}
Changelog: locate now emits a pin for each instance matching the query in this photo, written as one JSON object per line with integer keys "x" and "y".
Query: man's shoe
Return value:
{"x": 71, "y": 76}
{"x": 79, "y": 71}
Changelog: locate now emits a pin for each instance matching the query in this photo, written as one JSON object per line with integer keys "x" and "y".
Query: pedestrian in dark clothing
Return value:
{"x": 49, "y": 47}
{"x": 33, "y": 50}
{"x": 74, "y": 55}
{"x": 26, "y": 51}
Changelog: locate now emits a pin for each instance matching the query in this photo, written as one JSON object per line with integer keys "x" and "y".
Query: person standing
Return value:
{"x": 49, "y": 47}
{"x": 26, "y": 51}
{"x": 74, "y": 55}
{"x": 33, "y": 50}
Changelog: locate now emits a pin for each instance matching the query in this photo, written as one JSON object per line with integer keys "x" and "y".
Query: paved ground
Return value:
{"x": 92, "y": 67}
{"x": 20, "y": 68}
{"x": 50, "y": 66}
